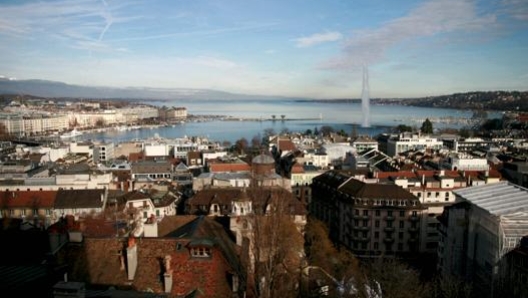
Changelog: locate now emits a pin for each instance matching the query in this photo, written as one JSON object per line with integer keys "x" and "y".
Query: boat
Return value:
{"x": 71, "y": 134}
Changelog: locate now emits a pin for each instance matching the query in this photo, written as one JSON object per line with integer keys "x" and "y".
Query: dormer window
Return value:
{"x": 201, "y": 252}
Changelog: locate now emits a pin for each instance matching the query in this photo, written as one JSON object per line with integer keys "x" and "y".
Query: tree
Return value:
{"x": 256, "y": 141}
{"x": 427, "y": 127}
{"x": 277, "y": 246}
{"x": 326, "y": 130}
{"x": 464, "y": 132}
{"x": 241, "y": 145}
{"x": 308, "y": 132}
{"x": 282, "y": 117}
{"x": 397, "y": 279}
{"x": 403, "y": 128}
{"x": 100, "y": 122}
{"x": 273, "y": 117}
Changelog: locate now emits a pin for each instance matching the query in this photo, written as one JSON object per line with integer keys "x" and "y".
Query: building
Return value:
{"x": 364, "y": 143}
{"x": 193, "y": 258}
{"x": 103, "y": 152}
{"x": 33, "y": 206}
{"x": 487, "y": 222}
{"x": 368, "y": 218}
{"x": 513, "y": 275}
{"x": 153, "y": 202}
{"x": 406, "y": 142}
{"x": 145, "y": 172}
{"x": 80, "y": 202}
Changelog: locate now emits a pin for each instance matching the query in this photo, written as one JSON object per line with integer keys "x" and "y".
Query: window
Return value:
{"x": 414, "y": 213}
{"x": 365, "y": 212}
{"x": 400, "y": 246}
{"x": 389, "y": 224}
{"x": 377, "y": 213}
{"x": 157, "y": 213}
{"x": 356, "y": 212}
{"x": 400, "y": 235}
{"x": 402, "y": 213}
{"x": 365, "y": 223}
{"x": 402, "y": 224}
{"x": 376, "y": 245}
{"x": 389, "y": 213}
{"x": 201, "y": 252}
{"x": 48, "y": 211}
{"x": 35, "y": 212}
{"x": 145, "y": 214}
{"x": 376, "y": 235}
{"x": 377, "y": 223}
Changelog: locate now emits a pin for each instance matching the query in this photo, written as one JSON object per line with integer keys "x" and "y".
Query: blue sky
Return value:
{"x": 301, "y": 48}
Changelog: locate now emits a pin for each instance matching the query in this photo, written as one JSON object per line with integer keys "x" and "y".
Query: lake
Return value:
{"x": 338, "y": 115}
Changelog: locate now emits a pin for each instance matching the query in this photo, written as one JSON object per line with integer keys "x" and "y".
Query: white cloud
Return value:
{"x": 518, "y": 9}
{"x": 318, "y": 38}
{"x": 435, "y": 17}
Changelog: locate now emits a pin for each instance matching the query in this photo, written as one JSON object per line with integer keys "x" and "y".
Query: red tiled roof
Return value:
{"x": 297, "y": 169}
{"x": 286, "y": 145}
{"x": 29, "y": 199}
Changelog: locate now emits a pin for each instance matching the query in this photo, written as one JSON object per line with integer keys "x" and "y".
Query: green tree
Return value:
{"x": 427, "y": 127}
{"x": 403, "y": 128}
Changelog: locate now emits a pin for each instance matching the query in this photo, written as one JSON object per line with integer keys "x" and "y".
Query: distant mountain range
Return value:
{"x": 54, "y": 89}
{"x": 486, "y": 100}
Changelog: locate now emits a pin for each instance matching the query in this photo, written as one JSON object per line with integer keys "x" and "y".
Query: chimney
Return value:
{"x": 167, "y": 276}
{"x": 132, "y": 258}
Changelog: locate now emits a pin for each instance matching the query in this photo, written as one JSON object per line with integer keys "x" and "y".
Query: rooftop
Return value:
{"x": 503, "y": 198}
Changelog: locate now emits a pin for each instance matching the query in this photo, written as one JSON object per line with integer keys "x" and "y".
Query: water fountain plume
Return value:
{"x": 365, "y": 99}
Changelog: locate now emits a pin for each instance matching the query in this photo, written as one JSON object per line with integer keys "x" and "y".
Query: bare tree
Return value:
{"x": 277, "y": 247}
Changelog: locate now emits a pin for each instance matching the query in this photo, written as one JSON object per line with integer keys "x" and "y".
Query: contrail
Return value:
{"x": 108, "y": 18}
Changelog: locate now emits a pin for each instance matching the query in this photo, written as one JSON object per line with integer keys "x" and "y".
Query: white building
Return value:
{"x": 156, "y": 149}
{"x": 103, "y": 152}
{"x": 406, "y": 142}
{"x": 466, "y": 162}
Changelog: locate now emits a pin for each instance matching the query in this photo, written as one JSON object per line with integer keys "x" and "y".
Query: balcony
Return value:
{"x": 388, "y": 240}
{"x": 413, "y": 230}
{"x": 413, "y": 240}
{"x": 414, "y": 218}
{"x": 389, "y": 217}
{"x": 388, "y": 229}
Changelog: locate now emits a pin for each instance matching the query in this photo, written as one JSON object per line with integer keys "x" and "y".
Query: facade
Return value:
{"x": 406, "y": 142}
{"x": 364, "y": 143}
{"x": 34, "y": 206}
{"x": 487, "y": 222}
{"x": 151, "y": 171}
{"x": 466, "y": 162}
{"x": 151, "y": 203}
{"x": 103, "y": 152}
{"x": 369, "y": 219}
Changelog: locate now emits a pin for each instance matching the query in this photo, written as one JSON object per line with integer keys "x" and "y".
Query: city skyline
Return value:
{"x": 313, "y": 49}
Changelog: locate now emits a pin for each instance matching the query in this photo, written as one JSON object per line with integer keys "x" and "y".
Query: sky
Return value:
{"x": 292, "y": 48}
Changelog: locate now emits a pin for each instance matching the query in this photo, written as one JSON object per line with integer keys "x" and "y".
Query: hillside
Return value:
{"x": 490, "y": 100}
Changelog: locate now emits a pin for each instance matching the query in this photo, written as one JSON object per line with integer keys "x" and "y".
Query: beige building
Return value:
{"x": 369, "y": 219}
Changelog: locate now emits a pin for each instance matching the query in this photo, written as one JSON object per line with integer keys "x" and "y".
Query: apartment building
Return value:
{"x": 368, "y": 218}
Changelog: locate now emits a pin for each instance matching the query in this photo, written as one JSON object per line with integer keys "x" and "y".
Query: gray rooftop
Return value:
{"x": 500, "y": 199}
